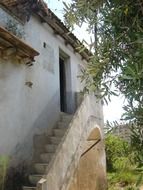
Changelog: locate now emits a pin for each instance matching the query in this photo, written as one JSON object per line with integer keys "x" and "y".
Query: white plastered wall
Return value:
{"x": 27, "y": 111}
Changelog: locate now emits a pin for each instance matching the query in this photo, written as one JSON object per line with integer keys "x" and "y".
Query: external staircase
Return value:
{"x": 45, "y": 146}
{"x": 58, "y": 152}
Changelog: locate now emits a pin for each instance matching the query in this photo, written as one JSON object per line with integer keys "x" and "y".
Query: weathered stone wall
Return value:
{"x": 11, "y": 23}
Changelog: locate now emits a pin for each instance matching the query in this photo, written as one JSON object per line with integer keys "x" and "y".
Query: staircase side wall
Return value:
{"x": 68, "y": 154}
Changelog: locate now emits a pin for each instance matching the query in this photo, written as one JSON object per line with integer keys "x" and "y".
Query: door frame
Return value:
{"x": 68, "y": 81}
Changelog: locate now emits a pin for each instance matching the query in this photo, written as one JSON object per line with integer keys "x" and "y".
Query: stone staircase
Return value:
{"x": 45, "y": 146}
{"x": 58, "y": 152}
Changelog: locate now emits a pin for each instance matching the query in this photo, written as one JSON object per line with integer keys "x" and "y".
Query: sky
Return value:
{"x": 113, "y": 110}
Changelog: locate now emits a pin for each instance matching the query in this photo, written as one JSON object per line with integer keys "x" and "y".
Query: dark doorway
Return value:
{"x": 62, "y": 70}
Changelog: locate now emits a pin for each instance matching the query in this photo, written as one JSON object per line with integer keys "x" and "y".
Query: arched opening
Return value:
{"x": 90, "y": 173}
{"x": 95, "y": 134}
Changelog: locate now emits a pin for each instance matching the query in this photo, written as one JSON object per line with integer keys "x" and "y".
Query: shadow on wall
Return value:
{"x": 16, "y": 177}
{"x": 48, "y": 117}
{"x": 21, "y": 156}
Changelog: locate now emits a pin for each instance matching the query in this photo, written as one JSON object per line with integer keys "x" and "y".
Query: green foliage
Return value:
{"x": 119, "y": 46}
{"x": 117, "y": 64}
{"x": 122, "y": 178}
{"x": 118, "y": 154}
{"x": 121, "y": 167}
{"x": 137, "y": 143}
{"x": 4, "y": 162}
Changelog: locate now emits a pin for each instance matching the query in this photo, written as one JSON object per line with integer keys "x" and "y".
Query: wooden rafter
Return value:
{"x": 9, "y": 2}
{"x": 10, "y": 44}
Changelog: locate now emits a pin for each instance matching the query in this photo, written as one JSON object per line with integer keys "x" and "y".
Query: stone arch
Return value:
{"x": 95, "y": 134}
{"x": 91, "y": 171}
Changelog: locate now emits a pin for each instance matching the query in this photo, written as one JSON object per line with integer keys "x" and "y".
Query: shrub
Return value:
{"x": 4, "y": 162}
{"x": 118, "y": 153}
{"x": 122, "y": 171}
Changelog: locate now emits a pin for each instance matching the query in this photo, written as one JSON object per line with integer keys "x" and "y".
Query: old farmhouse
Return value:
{"x": 45, "y": 121}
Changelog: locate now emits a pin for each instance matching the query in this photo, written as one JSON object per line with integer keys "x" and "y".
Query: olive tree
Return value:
{"x": 116, "y": 66}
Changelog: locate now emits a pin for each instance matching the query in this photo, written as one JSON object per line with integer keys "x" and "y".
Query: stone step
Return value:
{"x": 66, "y": 117}
{"x": 46, "y": 157}
{"x": 40, "y": 140}
{"x": 28, "y": 188}
{"x": 40, "y": 168}
{"x": 35, "y": 178}
{"x": 50, "y": 148}
{"x": 49, "y": 132}
{"x": 59, "y": 132}
{"x": 62, "y": 125}
{"x": 55, "y": 140}
{"x": 65, "y": 114}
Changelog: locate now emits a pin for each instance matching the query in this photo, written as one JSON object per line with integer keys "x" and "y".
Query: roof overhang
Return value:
{"x": 46, "y": 15}
{"x": 10, "y": 45}
{"x": 60, "y": 29}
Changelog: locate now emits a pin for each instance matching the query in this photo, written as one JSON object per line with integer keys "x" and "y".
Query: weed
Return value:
{"x": 4, "y": 162}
